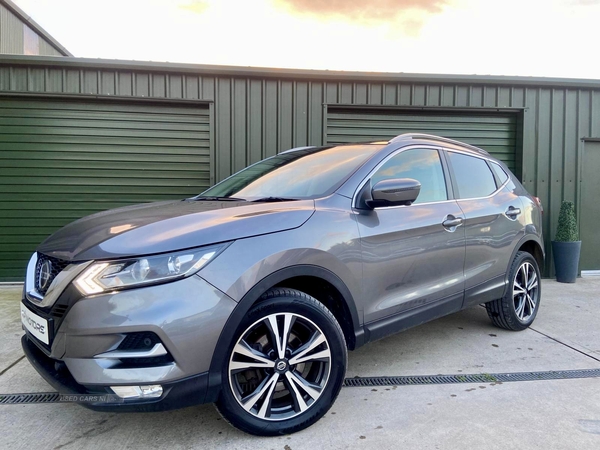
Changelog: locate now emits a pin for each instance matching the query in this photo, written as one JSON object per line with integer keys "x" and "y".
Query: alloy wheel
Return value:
{"x": 280, "y": 366}
{"x": 525, "y": 291}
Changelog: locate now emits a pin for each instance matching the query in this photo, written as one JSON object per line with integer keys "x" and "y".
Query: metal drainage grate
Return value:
{"x": 35, "y": 397}
{"x": 418, "y": 380}
{"x": 473, "y": 378}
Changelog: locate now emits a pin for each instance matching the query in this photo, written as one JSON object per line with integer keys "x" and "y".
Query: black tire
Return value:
{"x": 514, "y": 311}
{"x": 289, "y": 407}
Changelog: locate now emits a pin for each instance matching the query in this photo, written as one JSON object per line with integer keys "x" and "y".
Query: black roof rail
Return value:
{"x": 436, "y": 138}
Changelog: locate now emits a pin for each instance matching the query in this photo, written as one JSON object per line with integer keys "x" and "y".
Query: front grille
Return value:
{"x": 46, "y": 270}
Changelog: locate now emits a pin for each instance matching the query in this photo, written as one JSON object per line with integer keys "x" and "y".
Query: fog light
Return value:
{"x": 128, "y": 392}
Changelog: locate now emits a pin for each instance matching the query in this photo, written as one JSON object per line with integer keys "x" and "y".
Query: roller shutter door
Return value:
{"x": 495, "y": 133}
{"x": 62, "y": 160}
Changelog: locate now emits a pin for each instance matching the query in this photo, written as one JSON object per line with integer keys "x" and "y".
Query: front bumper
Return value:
{"x": 179, "y": 394}
{"x": 187, "y": 317}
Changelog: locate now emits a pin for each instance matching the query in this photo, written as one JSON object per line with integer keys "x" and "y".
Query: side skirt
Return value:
{"x": 408, "y": 319}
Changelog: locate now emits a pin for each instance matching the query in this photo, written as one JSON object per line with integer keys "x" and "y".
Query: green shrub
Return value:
{"x": 567, "y": 223}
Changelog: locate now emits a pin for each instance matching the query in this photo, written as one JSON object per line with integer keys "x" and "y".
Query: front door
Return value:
{"x": 411, "y": 260}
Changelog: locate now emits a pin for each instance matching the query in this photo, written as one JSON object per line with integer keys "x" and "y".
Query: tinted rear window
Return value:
{"x": 473, "y": 176}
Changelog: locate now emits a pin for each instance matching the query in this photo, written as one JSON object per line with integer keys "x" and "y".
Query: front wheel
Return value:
{"x": 519, "y": 306}
{"x": 285, "y": 366}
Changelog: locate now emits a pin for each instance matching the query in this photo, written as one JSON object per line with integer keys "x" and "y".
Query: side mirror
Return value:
{"x": 394, "y": 192}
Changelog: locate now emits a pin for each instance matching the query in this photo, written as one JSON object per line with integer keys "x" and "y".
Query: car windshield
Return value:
{"x": 299, "y": 174}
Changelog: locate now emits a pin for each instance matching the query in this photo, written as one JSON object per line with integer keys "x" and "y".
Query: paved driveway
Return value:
{"x": 557, "y": 414}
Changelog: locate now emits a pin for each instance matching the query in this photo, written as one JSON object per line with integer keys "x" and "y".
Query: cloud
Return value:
{"x": 584, "y": 2}
{"x": 195, "y": 6}
{"x": 361, "y": 10}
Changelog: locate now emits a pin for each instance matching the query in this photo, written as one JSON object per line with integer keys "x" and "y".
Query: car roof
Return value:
{"x": 421, "y": 138}
{"x": 325, "y": 147}
{"x": 405, "y": 140}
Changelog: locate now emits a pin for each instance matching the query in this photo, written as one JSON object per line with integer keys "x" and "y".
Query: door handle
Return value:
{"x": 513, "y": 212}
{"x": 452, "y": 222}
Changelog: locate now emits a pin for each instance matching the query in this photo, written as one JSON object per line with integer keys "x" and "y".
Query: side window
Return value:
{"x": 473, "y": 176}
{"x": 500, "y": 173}
{"x": 421, "y": 164}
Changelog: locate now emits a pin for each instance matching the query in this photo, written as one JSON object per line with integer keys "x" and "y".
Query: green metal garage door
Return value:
{"x": 495, "y": 133}
{"x": 62, "y": 160}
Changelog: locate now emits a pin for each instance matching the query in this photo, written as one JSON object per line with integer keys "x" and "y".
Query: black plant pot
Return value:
{"x": 566, "y": 260}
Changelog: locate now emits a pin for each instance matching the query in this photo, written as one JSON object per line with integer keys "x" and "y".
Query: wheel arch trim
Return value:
{"x": 536, "y": 240}
{"x": 525, "y": 239}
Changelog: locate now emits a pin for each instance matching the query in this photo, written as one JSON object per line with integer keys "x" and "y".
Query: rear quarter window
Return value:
{"x": 500, "y": 173}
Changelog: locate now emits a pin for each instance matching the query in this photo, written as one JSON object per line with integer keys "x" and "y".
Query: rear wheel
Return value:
{"x": 519, "y": 306}
{"x": 286, "y": 365}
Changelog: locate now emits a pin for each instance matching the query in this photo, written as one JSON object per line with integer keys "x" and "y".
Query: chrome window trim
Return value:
{"x": 414, "y": 205}
{"x": 487, "y": 196}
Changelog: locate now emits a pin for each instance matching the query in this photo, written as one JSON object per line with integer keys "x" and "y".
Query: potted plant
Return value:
{"x": 566, "y": 246}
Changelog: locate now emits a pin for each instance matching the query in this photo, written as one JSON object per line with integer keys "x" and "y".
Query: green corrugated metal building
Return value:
{"x": 81, "y": 135}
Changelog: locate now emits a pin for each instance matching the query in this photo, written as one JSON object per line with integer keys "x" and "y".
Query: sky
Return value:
{"x": 549, "y": 38}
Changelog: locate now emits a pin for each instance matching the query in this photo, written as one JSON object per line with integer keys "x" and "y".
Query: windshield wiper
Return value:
{"x": 217, "y": 199}
{"x": 274, "y": 199}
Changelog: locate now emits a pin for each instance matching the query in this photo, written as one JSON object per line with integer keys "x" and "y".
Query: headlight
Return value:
{"x": 122, "y": 274}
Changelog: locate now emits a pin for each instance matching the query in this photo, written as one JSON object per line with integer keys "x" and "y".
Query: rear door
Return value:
{"x": 493, "y": 223}
{"x": 411, "y": 261}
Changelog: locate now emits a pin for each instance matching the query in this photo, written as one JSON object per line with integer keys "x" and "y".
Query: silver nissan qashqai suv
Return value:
{"x": 250, "y": 294}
